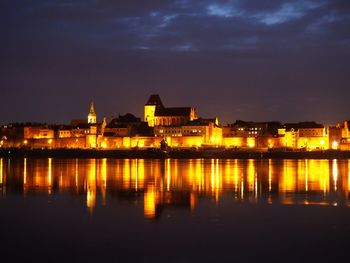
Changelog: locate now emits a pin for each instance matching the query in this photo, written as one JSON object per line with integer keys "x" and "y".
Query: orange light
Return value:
{"x": 335, "y": 145}
{"x": 150, "y": 202}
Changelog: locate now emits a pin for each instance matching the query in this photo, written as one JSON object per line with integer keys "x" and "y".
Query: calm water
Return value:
{"x": 174, "y": 210}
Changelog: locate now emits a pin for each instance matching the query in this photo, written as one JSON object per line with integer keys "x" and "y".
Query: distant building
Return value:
{"x": 252, "y": 134}
{"x": 92, "y": 115}
{"x": 252, "y": 129}
{"x": 123, "y": 126}
{"x": 174, "y": 127}
{"x": 339, "y": 136}
{"x": 156, "y": 114}
{"x": 198, "y": 132}
{"x": 80, "y": 133}
{"x": 305, "y": 135}
{"x": 41, "y": 132}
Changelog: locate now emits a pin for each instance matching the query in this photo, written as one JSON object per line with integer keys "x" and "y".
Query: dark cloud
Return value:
{"x": 235, "y": 59}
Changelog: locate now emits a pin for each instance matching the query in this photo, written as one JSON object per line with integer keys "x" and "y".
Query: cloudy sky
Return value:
{"x": 241, "y": 59}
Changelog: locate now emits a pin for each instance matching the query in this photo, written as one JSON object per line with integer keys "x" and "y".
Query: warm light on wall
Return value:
{"x": 251, "y": 142}
{"x": 312, "y": 143}
{"x": 270, "y": 143}
{"x": 126, "y": 142}
{"x": 149, "y": 115}
{"x": 233, "y": 141}
{"x": 335, "y": 145}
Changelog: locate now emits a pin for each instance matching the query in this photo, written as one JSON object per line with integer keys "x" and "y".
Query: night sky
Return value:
{"x": 251, "y": 60}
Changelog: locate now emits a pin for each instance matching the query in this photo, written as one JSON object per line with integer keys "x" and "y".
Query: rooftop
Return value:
{"x": 155, "y": 100}
{"x": 178, "y": 111}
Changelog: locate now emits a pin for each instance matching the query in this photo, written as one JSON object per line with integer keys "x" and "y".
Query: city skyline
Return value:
{"x": 259, "y": 61}
{"x": 175, "y": 131}
{"x": 178, "y": 127}
{"x": 99, "y": 118}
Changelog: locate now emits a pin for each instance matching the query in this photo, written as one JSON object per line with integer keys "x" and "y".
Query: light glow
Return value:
{"x": 335, "y": 145}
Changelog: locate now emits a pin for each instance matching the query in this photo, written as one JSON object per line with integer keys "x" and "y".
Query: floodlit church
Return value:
{"x": 156, "y": 114}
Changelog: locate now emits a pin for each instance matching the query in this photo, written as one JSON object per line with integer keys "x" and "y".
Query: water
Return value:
{"x": 174, "y": 210}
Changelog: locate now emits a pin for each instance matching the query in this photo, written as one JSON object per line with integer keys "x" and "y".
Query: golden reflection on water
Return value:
{"x": 335, "y": 174}
{"x": 149, "y": 202}
{"x": 25, "y": 171}
{"x": 1, "y": 173}
{"x": 348, "y": 175}
{"x": 181, "y": 183}
{"x": 91, "y": 186}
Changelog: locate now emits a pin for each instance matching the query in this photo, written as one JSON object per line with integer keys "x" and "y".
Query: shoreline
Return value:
{"x": 155, "y": 153}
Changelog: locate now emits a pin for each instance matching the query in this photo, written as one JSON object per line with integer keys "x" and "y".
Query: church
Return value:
{"x": 155, "y": 114}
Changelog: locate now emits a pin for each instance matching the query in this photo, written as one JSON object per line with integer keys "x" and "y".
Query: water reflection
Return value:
{"x": 158, "y": 184}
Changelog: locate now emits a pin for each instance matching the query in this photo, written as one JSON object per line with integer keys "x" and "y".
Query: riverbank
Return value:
{"x": 174, "y": 153}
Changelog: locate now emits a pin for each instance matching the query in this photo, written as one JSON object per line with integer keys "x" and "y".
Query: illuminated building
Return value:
{"x": 156, "y": 114}
{"x": 196, "y": 133}
{"x": 339, "y": 136}
{"x": 251, "y": 129}
{"x": 128, "y": 131}
{"x": 80, "y": 133}
{"x": 305, "y": 135}
{"x": 150, "y": 107}
{"x": 40, "y": 132}
{"x": 92, "y": 114}
{"x": 176, "y": 127}
{"x": 334, "y": 136}
{"x": 125, "y": 126}
{"x": 91, "y": 136}
{"x": 290, "y": 138}
{"x": 252, "y": 134}
{"x": 64, "y": 133}
{"x": 180, "y": 126}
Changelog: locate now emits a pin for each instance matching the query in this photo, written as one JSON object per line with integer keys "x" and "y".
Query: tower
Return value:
{"x": 92, "y": 133}
{"x": 151, "y": 105}
{"x": 92, "y": 114}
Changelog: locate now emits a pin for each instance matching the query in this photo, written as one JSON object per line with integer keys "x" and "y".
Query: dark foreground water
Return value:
{"x": 81, "y": 210}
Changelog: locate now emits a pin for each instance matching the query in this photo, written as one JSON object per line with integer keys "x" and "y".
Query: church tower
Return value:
{"x": 151, "y": 105}
{"x": 92, "y": 114}
{"x": 91, "y": 137}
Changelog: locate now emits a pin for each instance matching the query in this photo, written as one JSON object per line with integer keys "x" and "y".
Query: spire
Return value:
{"x": 92, "y": 110}
{"x": 92, "y": 114}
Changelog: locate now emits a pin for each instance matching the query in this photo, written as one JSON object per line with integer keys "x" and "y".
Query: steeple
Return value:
{"x": 92, "y": 114}
{"x": 92, "y": 110}
{"x": 154, "y": 102}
